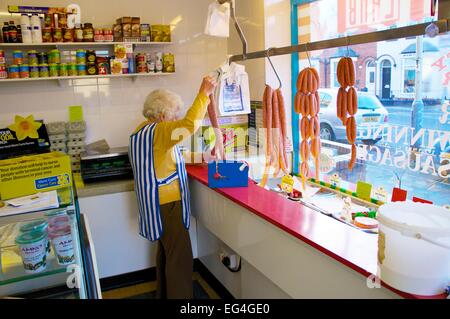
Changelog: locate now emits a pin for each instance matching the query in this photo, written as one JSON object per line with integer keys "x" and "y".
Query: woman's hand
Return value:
{"x": 208, "y": 86}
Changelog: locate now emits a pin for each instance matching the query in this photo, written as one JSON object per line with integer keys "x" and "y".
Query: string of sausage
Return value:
{"x": 307, "y": 103}
{"x": 274, "y": 123}
{"x": 218, "y": 146}
{"x": 347, "y": 102}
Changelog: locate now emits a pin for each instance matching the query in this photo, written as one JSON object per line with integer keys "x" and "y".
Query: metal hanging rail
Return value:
{"x": 390, "y": 34}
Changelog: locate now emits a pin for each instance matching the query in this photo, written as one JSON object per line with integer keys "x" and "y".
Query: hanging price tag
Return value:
{"x": 381, "y": 194}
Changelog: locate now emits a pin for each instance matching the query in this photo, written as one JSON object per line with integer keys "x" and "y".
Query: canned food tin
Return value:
{"x": 47, "y": 35}
{"x": 53, "y": 70}
{"x": 81, "y": 69}
{"x": 141, "y": 57}
{"x": 43, "y": 70}
{"x": 72, "y": 69}
{"x": 13, "y": 71}
{"x": 98, "y": 35}
{"x": 34, "y": 71}
{"x": 57, "y": 35}
{"x": 24, "y": 71}
{"x": 63, "y": 69}
{"x": 2, "y": 57}
{"x": 54, "y": 56}
{"x": 90, "y": 56}
{"x": 42, "y": 58}
{"x": 17, "y": 57}
{"x": 33, "y": 57}
{"x": 3, "y": 73}
{"x": 108, "y": 35}
{"x": 81, "y": 56}
{"x": 142, "y": 68}
{"x": 92, "y": 68}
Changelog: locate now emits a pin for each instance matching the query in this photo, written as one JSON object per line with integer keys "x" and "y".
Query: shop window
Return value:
{"x": 409, "y": 75}
{"x": 392, "y": 147}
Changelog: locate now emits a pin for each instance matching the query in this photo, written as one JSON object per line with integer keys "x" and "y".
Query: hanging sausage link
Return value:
{"x": 274, "y": 123}
{"x": 347, "y": 102}
{"x": 307, "y": 104}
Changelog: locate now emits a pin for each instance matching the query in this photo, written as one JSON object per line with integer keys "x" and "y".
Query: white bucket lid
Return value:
{"x": 417, "y": 220}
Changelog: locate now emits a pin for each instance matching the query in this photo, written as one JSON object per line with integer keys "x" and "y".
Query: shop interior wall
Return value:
{"x": 112, "y": 107}
{"x": 250, "y": 14}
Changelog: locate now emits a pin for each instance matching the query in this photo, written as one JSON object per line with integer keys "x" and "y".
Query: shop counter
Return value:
{"x": 224, "y": 210}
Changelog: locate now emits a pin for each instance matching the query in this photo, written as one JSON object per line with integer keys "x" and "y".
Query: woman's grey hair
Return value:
{"x": 162, "y": 102}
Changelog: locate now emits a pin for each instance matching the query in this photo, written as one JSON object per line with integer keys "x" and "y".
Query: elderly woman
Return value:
{"x": 161, "y": 184}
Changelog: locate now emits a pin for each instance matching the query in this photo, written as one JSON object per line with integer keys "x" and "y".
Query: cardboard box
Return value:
{"x": 26, "y": 175}
{"x": 160, "y": 33}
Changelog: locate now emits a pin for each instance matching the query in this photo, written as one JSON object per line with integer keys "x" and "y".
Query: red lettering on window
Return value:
{"x": 447, "y": 79}
{"x": 440, "y": 63}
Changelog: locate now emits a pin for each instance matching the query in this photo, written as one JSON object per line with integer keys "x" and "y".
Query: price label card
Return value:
{"x": 381, "y": 194}
{"x": 75, "y": 113}
{"x": 335, "y": 180}
{"x": 363, "y": 190}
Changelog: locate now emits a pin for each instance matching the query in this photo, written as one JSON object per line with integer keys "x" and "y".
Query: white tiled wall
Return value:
{"x": 112, "y": 107}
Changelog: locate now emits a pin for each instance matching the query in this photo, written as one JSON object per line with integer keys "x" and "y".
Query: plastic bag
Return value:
{"x": 233, "y": 92}
{"x": 217, "y": 23}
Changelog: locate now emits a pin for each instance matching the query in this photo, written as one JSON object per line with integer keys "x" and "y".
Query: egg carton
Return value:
{"x": 75, "y": 151}
{"x": 55, "y": 128}
{"x": 76, "y": 127}
{"x": 62, "y": 149}
{"x": 73, "y": 144}
{"x": 58, "y": 145}
{"x": 76, "y": 137}
{"x": 57, "y": 138}
{"x": 74, "y": 158}
{"x": 76, "y": 167}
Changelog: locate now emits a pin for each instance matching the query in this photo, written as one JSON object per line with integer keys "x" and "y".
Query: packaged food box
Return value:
{"x": 28, "y": 175}
{"x": 145, "y": 32}
{"x": 116, "y": 66}
{"x": 135, "y": 27}
{"x": 160, "y": 33}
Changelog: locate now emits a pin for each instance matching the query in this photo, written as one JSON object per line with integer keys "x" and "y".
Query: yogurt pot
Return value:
{"x": 32, "y": 247}
{"x": 62, "y": 241}
{"x": 40, "y": 225}
{"x": 58, "y": 221}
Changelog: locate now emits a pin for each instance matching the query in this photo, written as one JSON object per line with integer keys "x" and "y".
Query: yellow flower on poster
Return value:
{"x": 25, "y": 127}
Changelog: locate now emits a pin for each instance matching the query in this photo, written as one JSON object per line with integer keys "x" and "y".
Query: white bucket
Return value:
{"x": 414, "y": 247}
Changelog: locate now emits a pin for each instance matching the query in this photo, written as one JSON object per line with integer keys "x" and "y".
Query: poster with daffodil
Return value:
{"x": 24, "y": 136}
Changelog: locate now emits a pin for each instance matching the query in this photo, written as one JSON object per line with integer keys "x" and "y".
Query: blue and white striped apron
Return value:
{"x": 146, "y": 184}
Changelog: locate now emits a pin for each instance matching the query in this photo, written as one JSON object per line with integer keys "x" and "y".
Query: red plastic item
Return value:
{"x": 398, "y": 195}
{"x": 421, "y": 200}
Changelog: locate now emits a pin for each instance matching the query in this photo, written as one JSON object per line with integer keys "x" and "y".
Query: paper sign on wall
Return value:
{"x": 75, "y": 113}
{"x": 363, "y": 190}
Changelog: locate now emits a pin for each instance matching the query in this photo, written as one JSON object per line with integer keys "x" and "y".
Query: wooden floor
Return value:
{"x": 147, "y": 290}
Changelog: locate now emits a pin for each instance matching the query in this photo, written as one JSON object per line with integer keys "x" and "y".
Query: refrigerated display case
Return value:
{"x": 66, "y": 269}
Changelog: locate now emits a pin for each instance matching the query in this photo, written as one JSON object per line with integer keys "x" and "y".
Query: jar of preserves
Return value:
{"x": 54, "y": 56}
{"x": 42, "y": 58}
{"x": 57, "y": 35}
{"x": 47, "y": 35}
{"x": 17, "y": 57}
{"x": 72, "y": 69}
{"x": 88, "y": 32}
{"x": 81, "y": 56}
{"x": 108, "y": 35}
{"x": 63, "y": 69}
{"x": 78, "y": 33}
{"x": 68, "y": 35}
{"x": 98, "y": 35}
{"x": 49, "y": 20}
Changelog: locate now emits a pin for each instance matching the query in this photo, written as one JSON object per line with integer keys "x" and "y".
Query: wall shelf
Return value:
{"x": 80, "y": 44}
{"x": 133, "y": 76}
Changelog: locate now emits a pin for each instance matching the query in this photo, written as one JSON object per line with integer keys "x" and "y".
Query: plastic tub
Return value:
{"x": 40, "y": 225}
{"x": 414, "y": 247}
{"x": 62, "y": 241}
{"x": 32, "y": 247}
